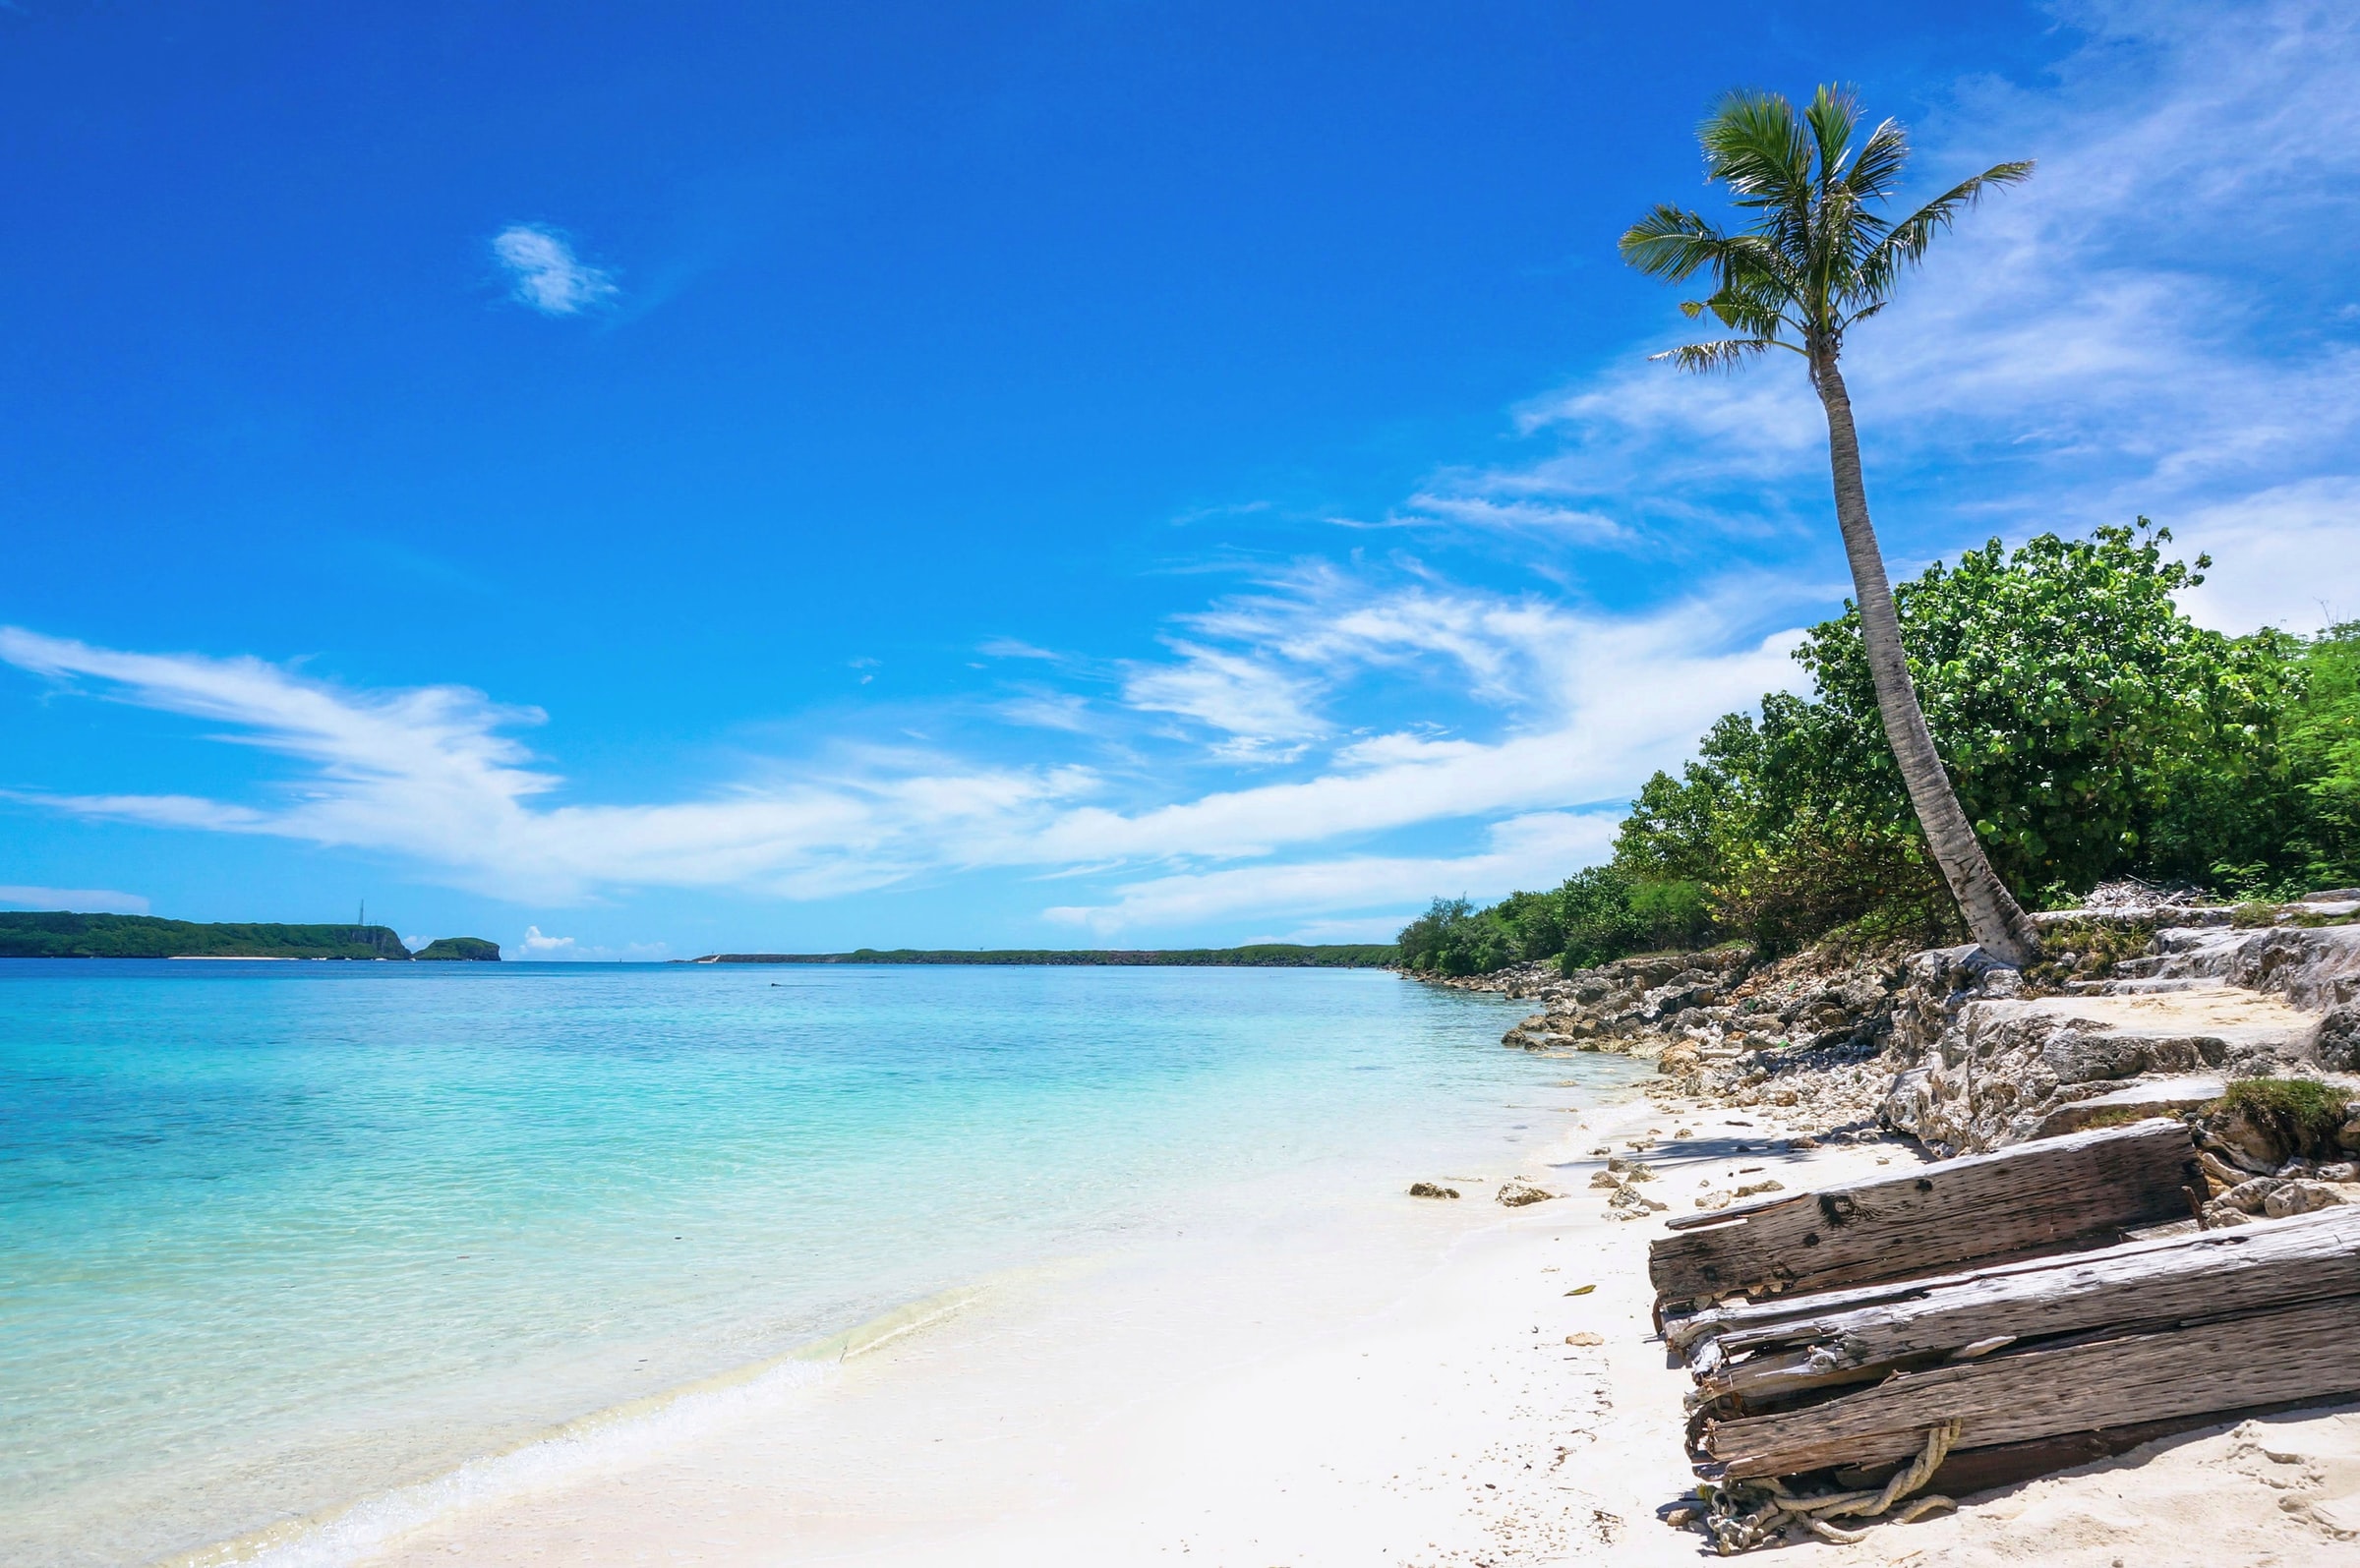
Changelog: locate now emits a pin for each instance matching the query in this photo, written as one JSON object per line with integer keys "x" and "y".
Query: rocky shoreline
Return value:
{"x": 2245, "y": 1020}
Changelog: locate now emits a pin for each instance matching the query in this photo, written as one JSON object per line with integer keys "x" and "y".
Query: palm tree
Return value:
{"x": 1811, "y": 261}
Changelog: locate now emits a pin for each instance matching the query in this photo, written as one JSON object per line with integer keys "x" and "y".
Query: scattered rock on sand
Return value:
{"x": 2300, "y": 1198}
{"x": 1516, "y": 1194}
{"x": 1631, "y": 1205}
{"x": 1431, "y": 1190}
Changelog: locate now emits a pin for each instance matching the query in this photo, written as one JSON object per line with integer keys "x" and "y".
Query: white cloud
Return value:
{"x": 537, "y": 945}
{"x": 1523, "y": 851}
{"x": 1048, "y": 710}
{"x": 1263, "y": 707}
{"x": 79, "y": 900}
{"x": 546, "y": 274}
{"x": 1011, "y": 648}
{"x": 2293, "y": 552}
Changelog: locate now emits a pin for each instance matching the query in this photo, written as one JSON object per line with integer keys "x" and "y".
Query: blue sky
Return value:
{"x": 669, "y": 479}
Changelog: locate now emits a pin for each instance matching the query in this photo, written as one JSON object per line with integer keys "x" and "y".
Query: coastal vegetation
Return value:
{"x": 1258, "y": 956}
{"x": 2091, "y": 731}
{"x": 1813, "y": 260}
{"x": 60, "y": 935}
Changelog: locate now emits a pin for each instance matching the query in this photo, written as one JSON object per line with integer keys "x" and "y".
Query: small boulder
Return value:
{"x": 2249, "y": 1198}
{"x": 1431, "y": 1190}
{"x": 1516, "y": 1194}
{"x": 2338, "y": 1041}
{"x": 2251, "y": 1142}
{"x": 2300, "y": 1198}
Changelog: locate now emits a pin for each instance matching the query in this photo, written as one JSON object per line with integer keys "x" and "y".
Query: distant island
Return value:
{"x": 1261, "y": 955}
{"x": 57, "y": 934}
{"x": 465, "y": 950}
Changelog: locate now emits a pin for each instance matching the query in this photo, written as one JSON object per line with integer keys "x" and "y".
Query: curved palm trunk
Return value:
{"x": 1992, "y": 914}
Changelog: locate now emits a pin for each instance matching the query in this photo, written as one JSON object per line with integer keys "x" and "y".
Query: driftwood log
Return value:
{"x": 2105, "y": 1380}
{"x": 2053, "y": 1195}
{"x": 1760, "y": 1356}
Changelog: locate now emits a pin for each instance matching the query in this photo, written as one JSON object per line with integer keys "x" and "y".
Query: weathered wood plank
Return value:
{"x": 1685, "y": 1332}
{"x": 2005, "y": 1464}
{"x": 2142, "y": 1285}
{"x": 2054, "y": 1194}
{"x": 2307, "y": 1352}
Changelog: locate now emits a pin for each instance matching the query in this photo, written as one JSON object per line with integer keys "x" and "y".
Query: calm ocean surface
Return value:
{"x": 278, "y": 1236}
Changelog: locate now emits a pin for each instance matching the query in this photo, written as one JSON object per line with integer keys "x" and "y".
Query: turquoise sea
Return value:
{"x": 281, "y": 1235}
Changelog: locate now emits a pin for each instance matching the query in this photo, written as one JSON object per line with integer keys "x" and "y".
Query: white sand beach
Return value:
{"x": 1387, "y": 1381}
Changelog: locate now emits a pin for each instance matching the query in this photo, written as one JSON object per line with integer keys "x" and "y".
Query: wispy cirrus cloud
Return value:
{"x": 1583, "y": 705}
{"x": 544, "y": 273}
{"x": 427, "y": 774}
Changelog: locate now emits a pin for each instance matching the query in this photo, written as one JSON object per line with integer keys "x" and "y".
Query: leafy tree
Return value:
{"x": 2322, "y": 749}
{"x": 2090, "y": 726}
{"x": 1813, "y": 260}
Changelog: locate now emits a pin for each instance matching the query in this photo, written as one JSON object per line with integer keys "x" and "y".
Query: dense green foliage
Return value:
{"x": 464, "y": 950}
{"x": 2322, "y": 748}
{"x": 1260, "y": 956}
{"x": 1598, "y": 914}
{"x": 59, "y": 935}
{"x": 2090, "y": 729}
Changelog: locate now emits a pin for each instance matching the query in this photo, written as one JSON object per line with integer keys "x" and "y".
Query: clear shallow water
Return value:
{"x": 278, "y": 1236}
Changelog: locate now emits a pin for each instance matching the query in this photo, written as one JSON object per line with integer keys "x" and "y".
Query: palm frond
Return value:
{"x": 1753, "y": 143}
{"x": 1832, "y": 115}
{"x": 1726, "y": 355}
{"x": 1906, "y": 244}
{"x": 1671, "y": 242}
{"x": 1876, "y": 168}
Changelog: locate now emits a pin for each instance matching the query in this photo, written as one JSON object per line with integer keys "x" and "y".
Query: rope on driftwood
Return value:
{"x": 1742, "y": 1517}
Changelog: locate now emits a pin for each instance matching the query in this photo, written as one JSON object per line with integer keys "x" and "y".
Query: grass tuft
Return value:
{"x": 2305, "y": 1111}
{"x": 2119, "y": 1116}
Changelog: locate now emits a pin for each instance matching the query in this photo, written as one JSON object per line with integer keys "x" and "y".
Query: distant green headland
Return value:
{"x": 59, "y": 935}
{"x": 1261, "y": 955}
